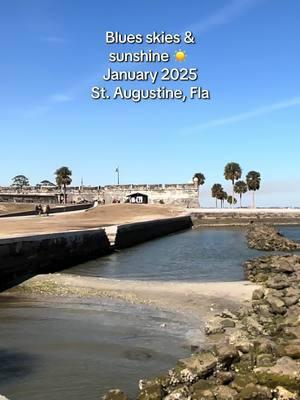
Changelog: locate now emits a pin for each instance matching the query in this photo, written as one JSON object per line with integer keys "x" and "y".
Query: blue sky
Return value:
{"x": 247, "y": 53}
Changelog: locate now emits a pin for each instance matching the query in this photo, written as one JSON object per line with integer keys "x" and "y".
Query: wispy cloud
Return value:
{"x": 53, "y": 39}
{"x": 61, "y": 98}
{"x": 245, "y": 115}
{"x": 224, "y": 15}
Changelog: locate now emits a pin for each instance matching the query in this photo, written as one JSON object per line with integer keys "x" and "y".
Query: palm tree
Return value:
{"x": 199, "y": 180}
{"x": 253, "y": 182}
{"x": 215, "y": 192}
{"x": 222, "y": 197}
{"x": 240, "y": 188}
{"x": 232, "y": 172}
{"x": 63, "y": 179}
{"x": 231, "y": 200}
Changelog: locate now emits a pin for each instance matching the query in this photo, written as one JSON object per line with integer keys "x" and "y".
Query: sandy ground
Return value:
{"x": 200, "y": 298}
{"x": 93, "y": 218}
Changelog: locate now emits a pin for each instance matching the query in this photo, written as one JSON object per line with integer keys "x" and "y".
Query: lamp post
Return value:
{"x": 118, "y": 175}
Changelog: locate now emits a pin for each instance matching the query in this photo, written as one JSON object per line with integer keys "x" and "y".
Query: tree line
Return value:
{"x": 62, "y": 178}
{"x": 233, "y": 173}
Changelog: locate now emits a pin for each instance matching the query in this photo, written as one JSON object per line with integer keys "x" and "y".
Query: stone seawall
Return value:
{"x": 135, "y": 233}
{"x": 23, "y": 257}
{"x": 244, "y": 217}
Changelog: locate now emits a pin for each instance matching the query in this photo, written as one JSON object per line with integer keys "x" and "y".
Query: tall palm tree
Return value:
{"x": 240, "y": 188}
{"x": 199, "y": 180}
{"x": 215, "y": 192}
{"x": 63, "y": 179}
{"x": 222, "y": 197}
{"x": 232, "y": 172}
{"x": 231, "y": 200}
{"x": 253, "y": 182}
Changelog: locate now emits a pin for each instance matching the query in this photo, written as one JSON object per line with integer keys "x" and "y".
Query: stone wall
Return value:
{"x": 244, "y": 217}
{"x": 139, "y": 232}
{"x": 23, "y": 257}
{"x": 176, "y": 194}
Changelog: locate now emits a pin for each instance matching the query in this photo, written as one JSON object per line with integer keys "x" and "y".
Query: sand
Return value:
{"x": 201, "y": 298}
{"x": 113, "y": 214}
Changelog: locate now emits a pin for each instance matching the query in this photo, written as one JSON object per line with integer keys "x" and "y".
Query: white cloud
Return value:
{"x": 245, "y": 115}
{"x": 60, "y": 98}
{"x": 53, "y": 39}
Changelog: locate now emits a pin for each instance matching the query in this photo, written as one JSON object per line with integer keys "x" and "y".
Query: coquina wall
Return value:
{"x": 23, "y": 257}
{"x": 176, "y": 194}
{"x": 139, "y": 232}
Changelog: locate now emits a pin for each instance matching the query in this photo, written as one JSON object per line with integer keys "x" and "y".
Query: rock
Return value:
{"x": 214, "y": 326}
{"x": 226, "y": 354}
{"x": 277, "y": 306}
{"x": 258, "y": 294}
{"x": 228, "y": 314}
{"x": 241, "y": 380}
{"x": 266, "y": 237}
{"x": 252, "y": 326}
{"x": 203, "y": 394}
{"x": 278, "y": 282}
{"x": 290, "y": 301}
{"x": 291, "y": 332}
{"x": 3, "y": 397}
{"x": 224, "y": 377}
{"x": 292, "y": 318}
{"x": 264, "y": 360}
{"x": 228, "y": 323}
{"x": 240, "y": 341}
{"x": 283, "y": 394}
{"x": 255, "y": 392}
{"x": 292, "y": 349}
{"x": 178, "y": 394}
{"x": 151, "y": 392}
{"x": 265, "y": 345}
{"x": 286, "y": 373}
{"x": 113, "y": 394}
{"x": 225, "y": 393}
{"x": 201, "y": 364}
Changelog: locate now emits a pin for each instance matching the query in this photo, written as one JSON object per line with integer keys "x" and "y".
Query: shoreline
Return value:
{"x": 203, "y": 298}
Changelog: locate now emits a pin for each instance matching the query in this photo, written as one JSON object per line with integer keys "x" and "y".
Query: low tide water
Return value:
{"x": 200, "y": 255}
{"x": 77, "y": 350}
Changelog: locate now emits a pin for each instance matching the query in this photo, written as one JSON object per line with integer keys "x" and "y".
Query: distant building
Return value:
{"x": 139, "y": 198}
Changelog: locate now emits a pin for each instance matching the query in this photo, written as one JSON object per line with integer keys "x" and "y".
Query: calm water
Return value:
{"x": 79, "y": 350}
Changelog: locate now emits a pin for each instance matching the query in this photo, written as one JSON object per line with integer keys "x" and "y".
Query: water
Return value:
{"x": 292, "y": 232}
{"x": 207, "y": 254}
{"x": 78, "y": 350}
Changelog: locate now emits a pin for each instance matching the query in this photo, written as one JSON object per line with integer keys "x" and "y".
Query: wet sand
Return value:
{"x": 203, "y": 298}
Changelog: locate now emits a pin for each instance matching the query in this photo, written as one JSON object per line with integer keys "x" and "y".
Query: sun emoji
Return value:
{"x": 180, "y": 55}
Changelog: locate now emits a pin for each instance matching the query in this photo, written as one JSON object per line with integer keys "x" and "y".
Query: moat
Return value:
{"x": 79, "y": 348}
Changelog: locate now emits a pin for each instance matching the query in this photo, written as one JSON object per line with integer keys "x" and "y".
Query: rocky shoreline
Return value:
{"x": 253, "y": 353}
{"x": 268, "y": 238}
